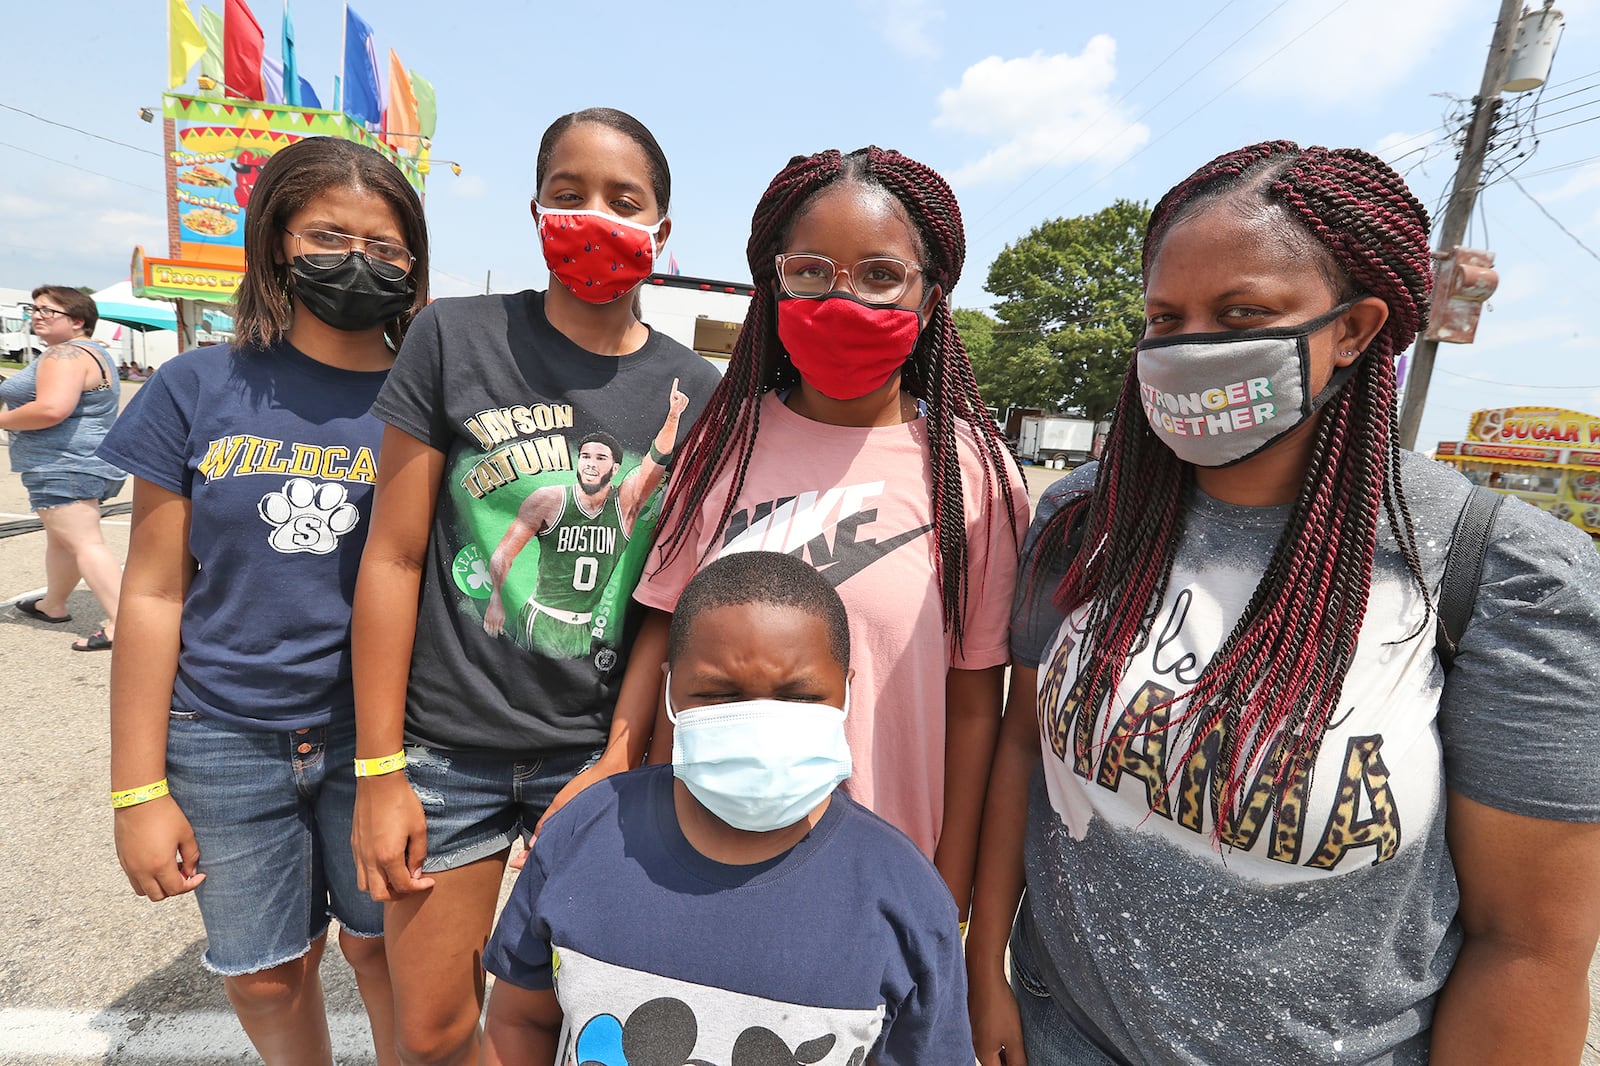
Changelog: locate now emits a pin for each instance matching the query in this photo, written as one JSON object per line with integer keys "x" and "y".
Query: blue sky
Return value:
{"x": 1034, "y": 110}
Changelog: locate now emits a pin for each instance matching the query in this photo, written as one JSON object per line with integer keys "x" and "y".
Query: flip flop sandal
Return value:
{"x": 31, "y": 609}
{"x": 96, "y": 641}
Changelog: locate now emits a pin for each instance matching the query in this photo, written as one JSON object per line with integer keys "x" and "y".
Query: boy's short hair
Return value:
{"x": 761, "y": 577}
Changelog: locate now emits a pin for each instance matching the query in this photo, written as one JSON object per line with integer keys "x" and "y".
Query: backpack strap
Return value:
{"x": 1463, "y": 570}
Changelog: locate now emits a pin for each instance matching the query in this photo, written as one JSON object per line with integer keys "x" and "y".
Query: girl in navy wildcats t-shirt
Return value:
{"x": 232, "y": 712}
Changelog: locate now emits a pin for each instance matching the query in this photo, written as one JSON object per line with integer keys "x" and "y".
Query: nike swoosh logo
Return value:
{"x": 864, "y": 555}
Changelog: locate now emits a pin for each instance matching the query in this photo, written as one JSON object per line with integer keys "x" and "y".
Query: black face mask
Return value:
{"x": 350, "y": 296}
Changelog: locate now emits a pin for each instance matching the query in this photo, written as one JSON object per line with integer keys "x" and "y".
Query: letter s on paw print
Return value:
{"x": 307, "y": 517}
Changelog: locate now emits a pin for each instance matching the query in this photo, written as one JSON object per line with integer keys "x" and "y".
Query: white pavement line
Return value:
{"x": 129, "y": 1036}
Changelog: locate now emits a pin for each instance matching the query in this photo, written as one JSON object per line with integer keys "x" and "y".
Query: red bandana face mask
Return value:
{"x": 597, "y": 257}
{"x": 844, "y": 348}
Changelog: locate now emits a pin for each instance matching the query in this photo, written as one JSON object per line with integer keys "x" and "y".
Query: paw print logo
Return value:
{"x": 307, "y": 517}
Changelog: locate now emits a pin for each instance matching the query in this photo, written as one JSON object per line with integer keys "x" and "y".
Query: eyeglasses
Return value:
{"x": 324, "y": 249}
{"x": 878, "y": 280}
{"x": 46, "y": 313}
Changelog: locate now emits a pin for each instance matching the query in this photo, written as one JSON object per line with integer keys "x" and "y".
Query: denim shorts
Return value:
{"x": 1049, "y": 1035}
{"x": 48, "y": 489}
{"x": 271, "y": 813}
{"x": 478, "y": 805}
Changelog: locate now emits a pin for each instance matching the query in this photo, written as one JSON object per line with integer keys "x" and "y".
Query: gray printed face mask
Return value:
{"x": 1217, "y": 399}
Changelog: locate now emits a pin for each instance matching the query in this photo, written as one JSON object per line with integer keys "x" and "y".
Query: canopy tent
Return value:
{"x": 119, "y": 304}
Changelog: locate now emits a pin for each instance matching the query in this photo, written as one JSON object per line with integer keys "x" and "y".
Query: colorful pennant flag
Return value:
{"x": 361, "y": 96}
{"x": 186, "y": 42}
{"x": 427, "y": 104}
{"x": 400, "y": 117}
{"x": 211, "y": 62}
{"x": 291, "y": 71}
{"x": 243, "y": 47}
{"x": 308, "y": 95}
{"x": 272, "y": 81}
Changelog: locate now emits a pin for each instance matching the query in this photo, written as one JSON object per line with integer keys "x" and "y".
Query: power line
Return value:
{"x": 1112, "y": 106}
{"x": 1574, "y": 107}
{"x": 1517, "y": 384}
{"x": 74, "y": 166}
{"x": 1552, "y": 218}
{"x": 1226, "y": 89}
{"x": 1576, "y": 163}
{"x": 1569, "y": 125}
{"x": 1574, "y": 92}
{"x": 1172, "y": 92}
{"x": 1569, "y": 81}
{"x": 86, "y": 133}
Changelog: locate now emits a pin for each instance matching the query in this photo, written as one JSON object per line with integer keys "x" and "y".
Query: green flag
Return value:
{"x": 427, "y": 104}
{"x": 211, "y": 62}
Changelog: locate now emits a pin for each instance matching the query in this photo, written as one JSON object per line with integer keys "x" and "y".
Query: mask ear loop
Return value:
{"x": 672, "y": 714}
{"x": 652, "y": 230}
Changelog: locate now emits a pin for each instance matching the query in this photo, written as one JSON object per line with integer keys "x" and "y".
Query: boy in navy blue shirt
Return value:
{"x": 733, "y": 909}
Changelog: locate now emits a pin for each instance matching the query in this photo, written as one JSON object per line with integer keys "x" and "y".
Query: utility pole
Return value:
{"x": 1463, "y": 194}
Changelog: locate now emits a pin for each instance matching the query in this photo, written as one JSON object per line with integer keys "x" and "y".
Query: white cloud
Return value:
{"x": 79, "y": 203}
{"x": 907, "y": 25}
{"x": 1359, "y": 51}
{"x": 1585, "y": 182}
{"x": 1044, "y": 109}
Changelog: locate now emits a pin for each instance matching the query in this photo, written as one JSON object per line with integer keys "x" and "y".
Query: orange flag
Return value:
{"x": 403, "y": 125}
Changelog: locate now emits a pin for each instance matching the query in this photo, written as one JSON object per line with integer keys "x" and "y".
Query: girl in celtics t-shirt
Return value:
{"x": 1265, "y": 825}
{"x": 526, "y": 435}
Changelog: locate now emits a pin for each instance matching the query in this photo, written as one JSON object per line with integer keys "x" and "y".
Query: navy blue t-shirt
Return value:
{"x": 277, "y": 454}
{"x": 844, "y": 946}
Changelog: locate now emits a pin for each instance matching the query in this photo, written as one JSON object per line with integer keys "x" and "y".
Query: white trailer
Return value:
{"x": 698, "y": 313}
{"x": 1048, "y": 438}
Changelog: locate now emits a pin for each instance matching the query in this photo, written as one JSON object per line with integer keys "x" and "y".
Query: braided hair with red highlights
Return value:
{"x": 1273, "y": 685}
{"x": 937, "y": 371}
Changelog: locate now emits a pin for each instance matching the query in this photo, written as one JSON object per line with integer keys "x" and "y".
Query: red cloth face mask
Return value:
{"x": 844, "y": 348}
{"x": 597, "y": 257}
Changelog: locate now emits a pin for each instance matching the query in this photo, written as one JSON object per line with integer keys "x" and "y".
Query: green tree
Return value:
{"x": 1070, "y": 308}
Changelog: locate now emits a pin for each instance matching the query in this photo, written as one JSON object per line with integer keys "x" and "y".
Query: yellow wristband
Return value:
{"x": 132, "y": 797}
{"x": 963, "y": 930}
{"x": 378, "y": 767}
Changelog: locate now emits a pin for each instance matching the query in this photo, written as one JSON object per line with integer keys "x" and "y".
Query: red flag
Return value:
{"x": 242, "y": 47}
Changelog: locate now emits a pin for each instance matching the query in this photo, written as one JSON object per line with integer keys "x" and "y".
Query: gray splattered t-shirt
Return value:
{"x": 1323, "y": 933}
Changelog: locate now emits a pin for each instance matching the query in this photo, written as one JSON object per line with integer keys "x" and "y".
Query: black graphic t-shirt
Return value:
{"x": 1325, "y": 925}
{"x": 537, "y": 433}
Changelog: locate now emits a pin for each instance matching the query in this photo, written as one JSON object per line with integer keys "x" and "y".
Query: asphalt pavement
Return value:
{"x": 90, "y": 973}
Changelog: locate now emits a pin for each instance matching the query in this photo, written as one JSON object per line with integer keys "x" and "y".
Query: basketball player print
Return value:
{"x": 582, "y": 530}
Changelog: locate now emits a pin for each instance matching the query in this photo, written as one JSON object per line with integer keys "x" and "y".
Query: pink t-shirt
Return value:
{"x": 856, "y": 504}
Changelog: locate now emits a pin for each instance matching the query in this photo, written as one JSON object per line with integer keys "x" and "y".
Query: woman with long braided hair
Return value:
{"x": 849, "y": 431}
{"x": 1261, "y": 826}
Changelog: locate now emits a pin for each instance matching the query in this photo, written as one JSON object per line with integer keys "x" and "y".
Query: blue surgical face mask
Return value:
{"x": 760, "y": 765}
